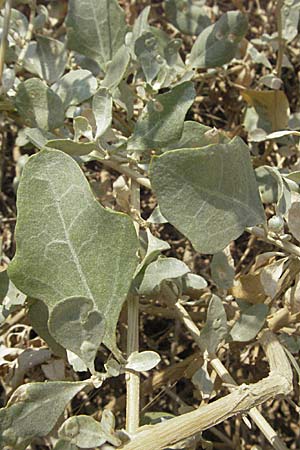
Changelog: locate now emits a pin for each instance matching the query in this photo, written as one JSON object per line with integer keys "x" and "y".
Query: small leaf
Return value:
{"x": 82, "y": 431}
{"x": 71, "y": 147}
{"x": 294, "y": 220}
{"x": 249, "y": 288}
{"x": 147, "y": 52}
{"x": 209, "y": 194}
{"x": 39, "y": 137}
{"x": 270, "y": 275}
{"x": 116, "y": 69}
{"x": 78, "y": 327}
{"x": 193, "y": 284}
{"x": 154, "y": 248}
{"x": 222, "y": 271}
{"x": 102, "y": 109}
{"x": 156, "y": 216}
{"x": 67, "y": 244}
{"x": 52, "y": 56}
{"x": 160, "y": 270}
{"x": 250, "y": 323}
{"x": 188, "y": 17}
{"x": 143, "y": 361}
{"x": 202, "y": 381}
{"x": 33, "y": 410}
{"x": 75, "y": 87}
{"x": 215, "y": 328}
{"x": 218, "y": 43}
{"x": 39, "y": 105}
{"x": 162, "y": 119}
{"x": 96, "y": 28}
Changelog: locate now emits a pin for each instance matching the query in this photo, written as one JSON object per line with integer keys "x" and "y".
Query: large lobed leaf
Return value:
{"x": 70, "y": 246}
{"x": 210, "y": 194}
{"x": 96, "y": 28}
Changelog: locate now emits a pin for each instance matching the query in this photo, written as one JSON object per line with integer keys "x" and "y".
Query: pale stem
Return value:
{"x": 4, "y": 36}
{"x": 280, "y": 39}
{"x": 223, "y": 373}
{"x": 20, "y": 60}
{"x": 132, "y": 377}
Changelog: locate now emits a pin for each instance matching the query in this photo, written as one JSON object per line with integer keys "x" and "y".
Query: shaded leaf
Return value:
{"x": 52, "y": 57}
{"x": 213, "y": 185}
{"x": 38, "y": 105}
{"x": 250, "y": 323}
{"x": 193, "y": 284}
{"x": 294, "y": 220}
{"x": 82, "y": 249}
{"x": 222, "y": 272}
{"x": 148, "y": 55}
{"x": 162, "y": 119}
{"x": 218, "y": 43}
{"x": 39, "y": 137}
{"x": 71, "y": 147}
{"x": 154, "y": 248}
{"x": 102, "y": 109}
{"x": 270, "y": 275}
{"x": 82, "y": 431}
{"x": 77, "y": 326}
{"x": 143, "y": 361}
{"x": 75, "y": 87}
{"x": 160, "y": 270}
{"x": 33, "y": 410}
{"x": 196, "y": 135}
{"x": 96, "y": 28}
{"x": 215, "y": 328}
{"x": 202, "y": 381}
{"x": 156, "y": 216}
{"x": 188, "y": 16}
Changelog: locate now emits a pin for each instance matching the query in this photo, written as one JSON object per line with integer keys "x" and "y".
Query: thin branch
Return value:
{"x": 128, "y": 171}
{"x": 5, "y": 30}
{"x": 132, "y": 377}
{"x": 28, "y": 37}
{"x": 241, "y": 400}
{"x": 280, "y": 53}
{"x": 288, "y": 247}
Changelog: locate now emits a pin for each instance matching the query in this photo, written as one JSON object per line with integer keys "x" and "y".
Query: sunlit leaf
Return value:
{"x": 143, "y": 361}
{"x": 71, "y": 147}
{"x": 117, "y": 68}
{"x": 209, "y": 194}
{"x": 38, "y": 105}
{"x": 33, "y": 410}
{"x": 162, "y": 119}
{"x": 52, "y": 57}
{"x": 96, "y": 28}
{"x": 86, "y": 250}
{"x": 75, "y": 87}
{"x": 82, "y": 431}
{"x": 102, "y": 109}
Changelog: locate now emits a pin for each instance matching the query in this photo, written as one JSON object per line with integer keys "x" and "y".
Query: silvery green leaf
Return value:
{"x": 75, "y": 87}
{"x": 143, "y": 361}
{"x": 196, "y": 135}
{"x": 82, "y": 431}
{"x": 193, "y": 284}
{"x": 38, "y": 137}
{"x": 86, "y": 250}
{"x": 267, "y": 184}
{"x": 102, "y": 109}
{"x": 154, "y": 248}
{"x": 96, "y": 28}
{"x": 32, "y": 62}
{"x": 38, "y": 315}
{"x": 124, "y": 97}
{"x": 108, "y": 425}
{"x": 294, "y": 220}
{"x": 52, "y": 56}
{"x": 209, "y": 194}
{"x": 4, "y": 284}
{"x": 38, "y": 105}
{"x": 77, "y": 326}
{"x": 41, "y": 18}
{"x": 71, "y": 147}
{"x": 13, "y": 297}
{"x": 222, "y": 272}
{"x": 33, "y": 410}
{"x": 258, "y": 57}
{"x": 61, "y": 444}
{"x": 162, "y": 119}
{"x": 18, "y": 23}
{"x": 188, "y": 16}
{"x": 140, "y": 25}
{"x": 78, "y": 365}
{"x": 202, "y": 381}
{"x": 218, "y": 43}
{"x": 160, "y": 270}
{"x": 148, "y": 55}
{"x": 269, "y": 276}
{"x": 250, "y": 323}
{"x": 82, "y": 128}
{"x": 117, "y": 68}
{"x": 215, "y": 328}
{"x": 290, "y": 20}
{"x": 156, "y": 216}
